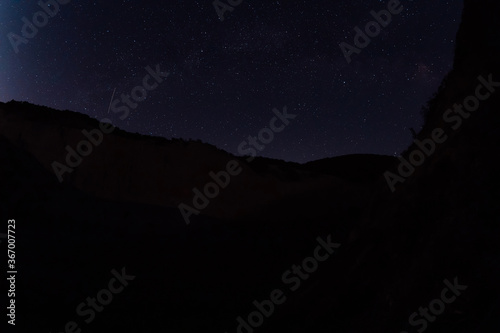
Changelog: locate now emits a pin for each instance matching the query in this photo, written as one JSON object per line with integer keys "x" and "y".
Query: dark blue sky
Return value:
{"x": 226, "y": 77}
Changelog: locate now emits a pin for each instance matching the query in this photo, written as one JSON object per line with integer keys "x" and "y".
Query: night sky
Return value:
{"x": 227, "y": 76}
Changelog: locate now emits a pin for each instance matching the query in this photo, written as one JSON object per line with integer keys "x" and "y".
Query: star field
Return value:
{"x": 227, "y": 76}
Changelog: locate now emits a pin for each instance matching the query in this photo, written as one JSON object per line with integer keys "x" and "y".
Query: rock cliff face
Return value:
{"x": 443, "y": 220}
{"x": 118, "y": 208}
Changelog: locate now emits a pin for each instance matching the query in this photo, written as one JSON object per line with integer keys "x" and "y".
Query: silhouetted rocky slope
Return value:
{"x": 441, "y": 223}
{"x": 150, "y": 170}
